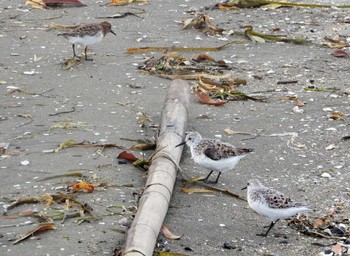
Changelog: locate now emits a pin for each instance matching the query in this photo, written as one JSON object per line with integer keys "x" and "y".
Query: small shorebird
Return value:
{"x": 214, "y": 155}
{"x": 271, "y": 203}
{"x": 87, "y": 34}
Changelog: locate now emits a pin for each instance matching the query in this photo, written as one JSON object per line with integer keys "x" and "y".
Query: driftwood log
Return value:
{"x": 154, "y": 202}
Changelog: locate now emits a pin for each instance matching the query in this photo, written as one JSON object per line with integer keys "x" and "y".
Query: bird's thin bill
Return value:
{"x": 113, "y": 33}
{"x": 182, "y": 143}
{"x": 244, "y": 188}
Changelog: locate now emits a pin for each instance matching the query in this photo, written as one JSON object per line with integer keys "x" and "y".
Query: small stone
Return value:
{"x": 229, "y": 246}
{"x": 330, "y": 147}
{"x": 25, "y": 162}
{"x": 326, "y": 175}
{"x": 124, "y": 222}
{"x": 298, "y": 110}
{"x": 327, "y": 109}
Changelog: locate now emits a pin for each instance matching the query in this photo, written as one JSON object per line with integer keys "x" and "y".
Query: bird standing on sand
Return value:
{"x": 88, "y": 34}
{"x": 271, "y": 203}
{"x": 214, "y": 155}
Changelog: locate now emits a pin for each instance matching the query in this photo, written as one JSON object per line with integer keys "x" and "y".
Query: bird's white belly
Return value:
{"x": 221, "y": 165}
{"x": 86, "y": 40}
{"x": 275, "y": 213}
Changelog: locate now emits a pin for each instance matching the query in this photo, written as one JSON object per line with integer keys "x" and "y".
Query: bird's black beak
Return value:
{"x": 182, "y": 143}
{"x": 113, "y": 32}
{"x": 244, "y": 188}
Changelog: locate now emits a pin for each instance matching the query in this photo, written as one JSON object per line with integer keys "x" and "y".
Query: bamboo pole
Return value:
{"x": 153, "y": 205}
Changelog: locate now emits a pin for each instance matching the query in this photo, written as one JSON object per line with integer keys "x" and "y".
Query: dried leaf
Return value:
{"x": 143, "y": 146}
{"x": 260, "y": 38}
{"x": 264, "y": 3}
{"x": 203, "y": 23}
{"x": 63, "y": 27}
{"x": 83, "y": 186}
{"x": 337, "y": 249}
{"x": 256, "y": 39}
{"x": 299, "y": 103}
{"x": 65, "y": 144}
{"x": 164, "y": 253}
{"x": 232, "y": 132}
{"x": 75, "y": 3}
{"x": 337, "y": 116}
{"x": 223, "y": 6}
{"x": 195, "y": 190}
{"x": 320, "y": 89}
{"x": 41, "y": 4}
{"x": 124, "y": 2}
{"x": 41, "y": 228}
{"x": 168, "y": 234}
{"x": 334, "y": 43}
{"x": 340, "y": 53}
{"x": 204, "y": 57}
{"x": 37, "y": 4}
{"x": 71, "y": 63}
{"x": 127, "y": 156}
{"x": 204, "y": 98}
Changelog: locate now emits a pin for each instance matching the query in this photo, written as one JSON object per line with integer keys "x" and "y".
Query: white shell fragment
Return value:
{"x": 25, "y": 162}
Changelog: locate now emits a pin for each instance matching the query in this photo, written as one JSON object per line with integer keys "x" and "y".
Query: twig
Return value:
{"x": 63, "y": 112}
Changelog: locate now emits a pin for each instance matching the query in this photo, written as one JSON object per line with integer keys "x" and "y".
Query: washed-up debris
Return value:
{"x": 125, "y": 2}
{"x": 175, "y": 66}
{"x": 165, "y": 253}
{"x": 83, "y": 144}
{"x": 41, "y": 228}
{"x": 62, "y": 203}
{"x": 235, "y": 4}
{"x": 83, "y": 187}
{"x": 122, "y": 15}
{"x": 42, "y": 4}
{"x": 202, "y": 23}
{"x": 167, "y": 233}
{"x": 261, "y": 38}
{"x": 331, "y": 225}
{"x": 142, "y": 163}
{"x": 340, "y": 54}
{"x": 204, "y": 98}
{"x": 14, "y": 89}
{"x": 195, "y": 185}
{"x": 181, "y": 49}
{"x": 335, "y": 42}
{"x": 66, "y": 174}
{"x": 312, "y": 88}
{"x": 337, "y": 116}
{"x": 209, "y": 90}
{"x": 127, "y": 156}
{"x": 63, "y": 112}
{"x": 66, "y": 125}
{"x": 71, "y": 62}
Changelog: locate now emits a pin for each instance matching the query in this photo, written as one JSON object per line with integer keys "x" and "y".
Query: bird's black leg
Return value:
{"x": 206, "y": 178}
{"x": 217, "y": 178}
{"x": 268, "y": 230}
{"x": 86, "y": 58}
{"x": 74, "y": 55}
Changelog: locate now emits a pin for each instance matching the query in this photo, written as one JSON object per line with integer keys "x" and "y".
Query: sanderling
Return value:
{"x": 87, "y": 34}
{"x": 271, "y": 203}
{"x": 212, "y": 154}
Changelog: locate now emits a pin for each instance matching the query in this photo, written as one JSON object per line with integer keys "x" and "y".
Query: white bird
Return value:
{"x": 271, "y": 203}
{"x": 212, "y": 154}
